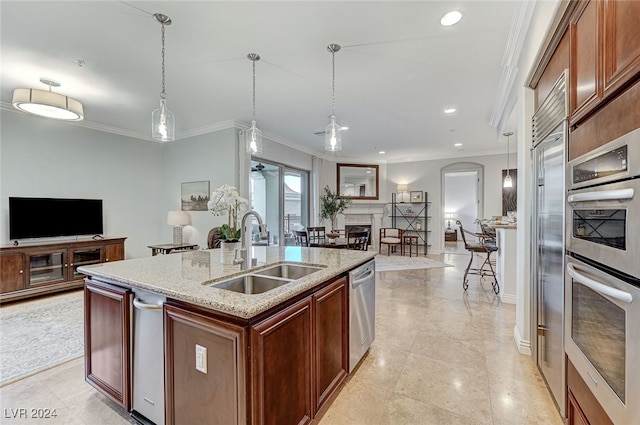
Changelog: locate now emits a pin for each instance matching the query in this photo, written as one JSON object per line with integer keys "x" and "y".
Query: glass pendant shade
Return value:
{"x": 508, "y": 181}
{"x": 254, "y": 139}
{"x": 163, "y": 123}
{"x": 333, "y": 136}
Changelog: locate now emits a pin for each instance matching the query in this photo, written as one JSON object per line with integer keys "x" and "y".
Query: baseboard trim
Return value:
{"x": 523, "y": 345}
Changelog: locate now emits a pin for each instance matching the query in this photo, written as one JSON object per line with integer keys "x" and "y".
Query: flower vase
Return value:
{"x": 228, "y": 251}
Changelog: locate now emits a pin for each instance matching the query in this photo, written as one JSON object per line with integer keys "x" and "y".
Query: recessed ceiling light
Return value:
{"x": 450, "y": 110}
{"x": 457, "y": 145}
{"x": 451, "y": 18}
{"x": 381, "y": 152}
{"x": 344, "y": 128}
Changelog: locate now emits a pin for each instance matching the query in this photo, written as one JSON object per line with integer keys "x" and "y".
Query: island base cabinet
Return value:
{"x": 205, "y": 374}
{"x": 331, "y": 356}
{"x": 107, "y": 316}
{"x": 281, "y": 367}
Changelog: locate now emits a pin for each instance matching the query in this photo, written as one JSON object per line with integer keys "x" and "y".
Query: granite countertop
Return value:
{"x": 505, "y": 226}
{"x": 186, "y": 276}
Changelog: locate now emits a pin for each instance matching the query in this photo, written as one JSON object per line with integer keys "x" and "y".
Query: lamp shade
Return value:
{"x": 178, "y": 218}
{"x": 47, "y": 104}
{"x": 403, "y": 188}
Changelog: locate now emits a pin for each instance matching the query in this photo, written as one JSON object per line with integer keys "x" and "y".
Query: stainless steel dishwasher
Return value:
{"x": 362, "y": 311}
{"x": 148, "y": 358}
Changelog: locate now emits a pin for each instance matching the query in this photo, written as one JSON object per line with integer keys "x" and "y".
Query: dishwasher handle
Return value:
{"x": 362, "y": 278}
{"x": 144, "y": 306}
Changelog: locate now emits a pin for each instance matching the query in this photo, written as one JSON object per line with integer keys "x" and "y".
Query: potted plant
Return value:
{"x": 332, "y": 205}
{"x": 227, "y": 200}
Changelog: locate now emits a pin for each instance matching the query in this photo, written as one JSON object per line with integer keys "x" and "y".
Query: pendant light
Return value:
{"x": 333, "y": 132}
{"x": 508, "y": 182}
{"x": 47, "y": 103}
{"x": 253, "y": 135}
{"x": 162, "y": 120}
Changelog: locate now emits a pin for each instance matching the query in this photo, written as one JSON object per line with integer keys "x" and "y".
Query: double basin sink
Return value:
{"x": 266, "y": 279}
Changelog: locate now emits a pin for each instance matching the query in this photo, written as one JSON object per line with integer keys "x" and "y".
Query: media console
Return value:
{"x": 41, "y": 268}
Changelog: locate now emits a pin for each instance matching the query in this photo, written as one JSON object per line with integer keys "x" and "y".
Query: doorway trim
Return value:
{"x": 457, "y": 167}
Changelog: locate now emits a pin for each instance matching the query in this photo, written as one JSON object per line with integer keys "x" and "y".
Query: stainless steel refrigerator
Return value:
{"x": 547, "y": 250}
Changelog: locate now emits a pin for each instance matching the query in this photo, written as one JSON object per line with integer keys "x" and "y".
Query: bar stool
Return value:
{"x": 479, "y": 247}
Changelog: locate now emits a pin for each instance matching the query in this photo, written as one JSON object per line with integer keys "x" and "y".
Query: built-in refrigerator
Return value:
{"x": 547, "y": 250}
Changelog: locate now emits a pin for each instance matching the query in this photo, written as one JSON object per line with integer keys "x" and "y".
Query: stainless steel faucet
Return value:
{"x": 244, "y": 259}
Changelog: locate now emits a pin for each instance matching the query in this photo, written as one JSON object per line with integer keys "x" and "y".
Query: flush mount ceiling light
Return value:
{"x": 162, "y": 120}
{"x": 451, "y": 18}
{"x": 508, "y": 181}
{"x": 253, "y": 135}
{"x": 333, "y": 132}
{"x": 47, "y": 103}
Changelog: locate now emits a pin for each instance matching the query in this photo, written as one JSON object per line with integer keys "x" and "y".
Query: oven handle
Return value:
{"x": 599, "y": 287}
{"x": 605, "y": 195}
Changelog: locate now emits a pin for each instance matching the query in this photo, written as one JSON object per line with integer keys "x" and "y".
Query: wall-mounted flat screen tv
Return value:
{"x": 50, "y": 217}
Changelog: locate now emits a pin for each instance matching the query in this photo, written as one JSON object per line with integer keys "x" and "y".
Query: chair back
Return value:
{"x": 462, "y": 232}
{"x": 359, "y": 239}
{"x": 301, "y": 237}
{"x": 390, "y": 232}
{"x": 316, "y": 235}
{"x": 214, "y": 238}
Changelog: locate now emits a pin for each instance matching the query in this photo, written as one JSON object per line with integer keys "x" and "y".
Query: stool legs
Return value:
{"x": 481, "y": 272}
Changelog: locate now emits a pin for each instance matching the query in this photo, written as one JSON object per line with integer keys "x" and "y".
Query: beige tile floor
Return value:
{"x": 441, "y": 356}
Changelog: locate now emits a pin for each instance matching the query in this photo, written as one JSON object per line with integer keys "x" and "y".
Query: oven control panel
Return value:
{"x": 606, "y": 164}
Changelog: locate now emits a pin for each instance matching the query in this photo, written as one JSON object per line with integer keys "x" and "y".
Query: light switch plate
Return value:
{"x": 201, "y": 358}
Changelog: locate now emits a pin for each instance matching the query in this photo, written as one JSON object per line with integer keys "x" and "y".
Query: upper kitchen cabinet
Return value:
{"x": 621, "y": 43}
{"x": 604, "y": 53}
{"x": 585, "y": 32}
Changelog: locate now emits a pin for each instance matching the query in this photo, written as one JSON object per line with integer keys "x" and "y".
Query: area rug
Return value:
{"x": 386, "y": 263}
{"x": 39, "y": 334}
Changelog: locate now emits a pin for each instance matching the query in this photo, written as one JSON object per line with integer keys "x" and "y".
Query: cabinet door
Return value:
{"x": 585, "y": 34}
{"x": 281, "y": 367}
{"x": 108, "y": 341}
{"x": 575, "y": 415}
{"x": 114, "y": 252}
{"x": 215, "y": 394}
{"x": 83, "y": 257}
{"x": 331, "y": 357}
{"x": 621, "y": 43}
{"x": 11, "y": 272}
{"x": 46, "y": 267}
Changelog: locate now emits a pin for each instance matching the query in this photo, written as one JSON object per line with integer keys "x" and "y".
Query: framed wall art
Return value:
{"x": 195, "y": 196}
{"x": 416, "y": 196}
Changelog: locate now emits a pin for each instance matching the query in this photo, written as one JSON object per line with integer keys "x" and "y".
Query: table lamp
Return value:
{"x": 449, "y": 216}
{"x": 403, "y": 189}
{"x": 177, "y": 219}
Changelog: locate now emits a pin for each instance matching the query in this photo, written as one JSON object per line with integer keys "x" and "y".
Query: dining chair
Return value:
{"x": 302, "y": 238}
{"x": 391, "y": 237}
{"x": 358, "y": 239}
{"x": 317, "y": 235}
{"x": 485, "y": 245}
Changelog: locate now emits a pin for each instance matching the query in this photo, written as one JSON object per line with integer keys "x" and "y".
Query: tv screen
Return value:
{"x": 49, "y": 217}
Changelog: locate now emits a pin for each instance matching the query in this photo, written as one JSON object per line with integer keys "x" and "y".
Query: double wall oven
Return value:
{"x": 602, "y": 291}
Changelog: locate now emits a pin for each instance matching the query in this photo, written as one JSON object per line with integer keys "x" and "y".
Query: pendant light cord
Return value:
{"x": 163, "y": 95}
{"x": 254, "y": 90}
{"x": 333, "y": 80}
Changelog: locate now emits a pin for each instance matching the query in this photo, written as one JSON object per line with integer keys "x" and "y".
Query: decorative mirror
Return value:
{"x": 357, "y": 181}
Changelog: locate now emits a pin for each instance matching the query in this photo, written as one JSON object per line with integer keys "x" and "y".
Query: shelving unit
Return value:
{"x": 413, "y": 218}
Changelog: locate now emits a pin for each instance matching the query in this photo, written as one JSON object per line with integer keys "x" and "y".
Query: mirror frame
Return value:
{"x": 377, "y": 175}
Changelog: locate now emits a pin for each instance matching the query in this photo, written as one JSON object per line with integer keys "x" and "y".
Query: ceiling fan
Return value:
{"x": 259, "y": 167}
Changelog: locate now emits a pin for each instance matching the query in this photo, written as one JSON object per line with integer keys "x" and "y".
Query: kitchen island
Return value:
{"x": 279, "y": 356}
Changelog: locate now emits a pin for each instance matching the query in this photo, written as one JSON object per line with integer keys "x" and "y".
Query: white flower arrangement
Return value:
{"x": 227, "y": 200}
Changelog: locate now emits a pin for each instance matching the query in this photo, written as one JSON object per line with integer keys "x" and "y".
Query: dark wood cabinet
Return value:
{"x": 12, "y": 272}
{"x": 193, "y": 396}
{"x": 621, "y": 43}
{"x": 36, "y": 269}
{"x": 281, "y": 367}
{"x": 585, "y": 32}
{"x": 604, "y": 54}
{"x": 330, "y": 347}
{"x": 107, "y": 340}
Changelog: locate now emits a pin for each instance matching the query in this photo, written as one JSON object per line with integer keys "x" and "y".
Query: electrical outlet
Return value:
{"x": 201, "y": 358}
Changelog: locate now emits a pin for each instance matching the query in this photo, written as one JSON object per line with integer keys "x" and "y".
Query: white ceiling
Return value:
{"x": 397, "y": 71}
